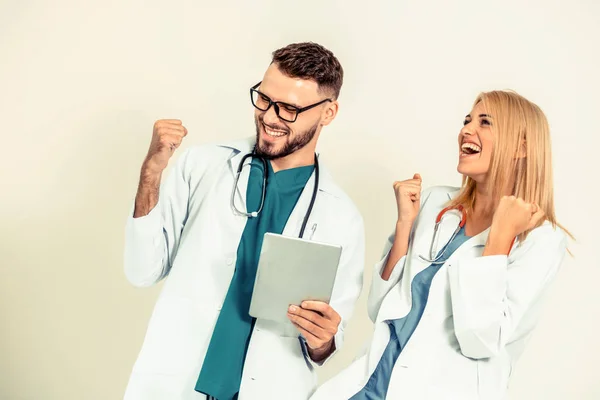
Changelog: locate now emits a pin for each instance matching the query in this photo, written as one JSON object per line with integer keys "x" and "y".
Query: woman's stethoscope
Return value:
{"x": 432, "y": 257}
{"x": 254, "y": 214}
{"x": 463, "y": 220}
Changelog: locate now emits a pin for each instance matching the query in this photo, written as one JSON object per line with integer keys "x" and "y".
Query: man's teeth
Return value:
{"x": 274, "y": 133}
{"x": 470, "y": 148}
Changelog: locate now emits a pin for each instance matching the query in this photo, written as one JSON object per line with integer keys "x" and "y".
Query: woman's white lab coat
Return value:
{"x": 192, "y": 235}
{"x": 480, "y": 313}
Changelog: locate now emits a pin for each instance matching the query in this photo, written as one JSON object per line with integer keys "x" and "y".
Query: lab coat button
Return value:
{"x": 229, "y": 261}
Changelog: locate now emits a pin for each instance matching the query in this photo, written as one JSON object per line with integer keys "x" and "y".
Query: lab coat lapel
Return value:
{"x": 241, "y": 148}
{"x": 326, "y": 185}
{"x": 398, "y": 302}
{"x": 294, "y": 222}
{"x": 242, "y": 184}
{"x": 296, "y": 218}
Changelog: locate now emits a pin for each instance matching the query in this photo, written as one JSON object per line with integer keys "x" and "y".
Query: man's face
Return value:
{"x": 277, "y": 138}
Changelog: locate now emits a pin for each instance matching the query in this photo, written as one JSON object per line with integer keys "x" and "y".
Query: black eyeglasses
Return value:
{"x": 284, "y": 111}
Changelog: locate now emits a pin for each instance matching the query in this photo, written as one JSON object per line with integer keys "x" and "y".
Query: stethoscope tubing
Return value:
{"x": 254, "y": 214}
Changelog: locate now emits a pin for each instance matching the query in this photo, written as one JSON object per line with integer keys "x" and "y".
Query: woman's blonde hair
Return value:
{"x": 521, "y": 160}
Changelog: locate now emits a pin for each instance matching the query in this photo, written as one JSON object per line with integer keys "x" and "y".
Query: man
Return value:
{"x": 201, "y": 343}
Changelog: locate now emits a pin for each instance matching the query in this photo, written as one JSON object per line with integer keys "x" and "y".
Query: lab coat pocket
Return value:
{"x": 454, "y": 377}
{"x": 176, "y": 337}
{"x": 294, "y": 363}
{"x": 276, "y": 364}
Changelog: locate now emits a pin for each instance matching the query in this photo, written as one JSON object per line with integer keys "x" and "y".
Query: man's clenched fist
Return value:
{"x": 166, "y": 138}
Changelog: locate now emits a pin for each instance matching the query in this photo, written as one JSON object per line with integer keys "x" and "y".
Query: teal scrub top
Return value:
{"x": 221, "y": 373}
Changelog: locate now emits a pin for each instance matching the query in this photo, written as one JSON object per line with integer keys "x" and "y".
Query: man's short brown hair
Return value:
{"x": 311, "y": 61}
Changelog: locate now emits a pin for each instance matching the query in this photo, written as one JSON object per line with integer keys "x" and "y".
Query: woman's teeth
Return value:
{"x": 273, "y": 133}
{"x": 470, "y": 148}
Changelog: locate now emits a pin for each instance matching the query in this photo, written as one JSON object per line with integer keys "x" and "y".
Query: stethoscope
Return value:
{"x": 432, "y": 257}
{"x": 463, "y": 220}
{"x": 254, "y": 214}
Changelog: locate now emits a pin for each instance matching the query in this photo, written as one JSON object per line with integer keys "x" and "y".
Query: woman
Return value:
{"x": 454, "y": 304}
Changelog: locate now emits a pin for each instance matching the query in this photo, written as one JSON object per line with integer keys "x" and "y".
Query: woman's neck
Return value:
{"x": 483, "y": 201}
{"x": 483, "y": 211}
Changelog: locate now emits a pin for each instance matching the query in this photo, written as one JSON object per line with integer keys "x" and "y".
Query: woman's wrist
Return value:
{"x": 398, "y": 250}
{"x": 498, "y": 243}
{"x": 403, "y": 227}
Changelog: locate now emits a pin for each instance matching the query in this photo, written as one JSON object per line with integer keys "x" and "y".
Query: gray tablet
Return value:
{"x": 291, "y": 270}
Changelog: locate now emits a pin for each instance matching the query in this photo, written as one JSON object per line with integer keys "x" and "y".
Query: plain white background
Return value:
{"x": 81, "y": 84}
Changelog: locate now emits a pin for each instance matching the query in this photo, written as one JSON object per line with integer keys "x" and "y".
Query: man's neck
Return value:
{"x": 293, "y": 161}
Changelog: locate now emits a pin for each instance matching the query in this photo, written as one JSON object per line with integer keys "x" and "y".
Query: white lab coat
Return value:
{"x": 192, "y": 236}
{"x": 480, "y": 313}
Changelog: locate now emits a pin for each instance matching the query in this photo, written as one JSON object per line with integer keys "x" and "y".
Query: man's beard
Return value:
{"x": 269, "y": 151}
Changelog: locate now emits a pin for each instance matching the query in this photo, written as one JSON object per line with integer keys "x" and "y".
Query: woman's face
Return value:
{"x": 475, "y": 144}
